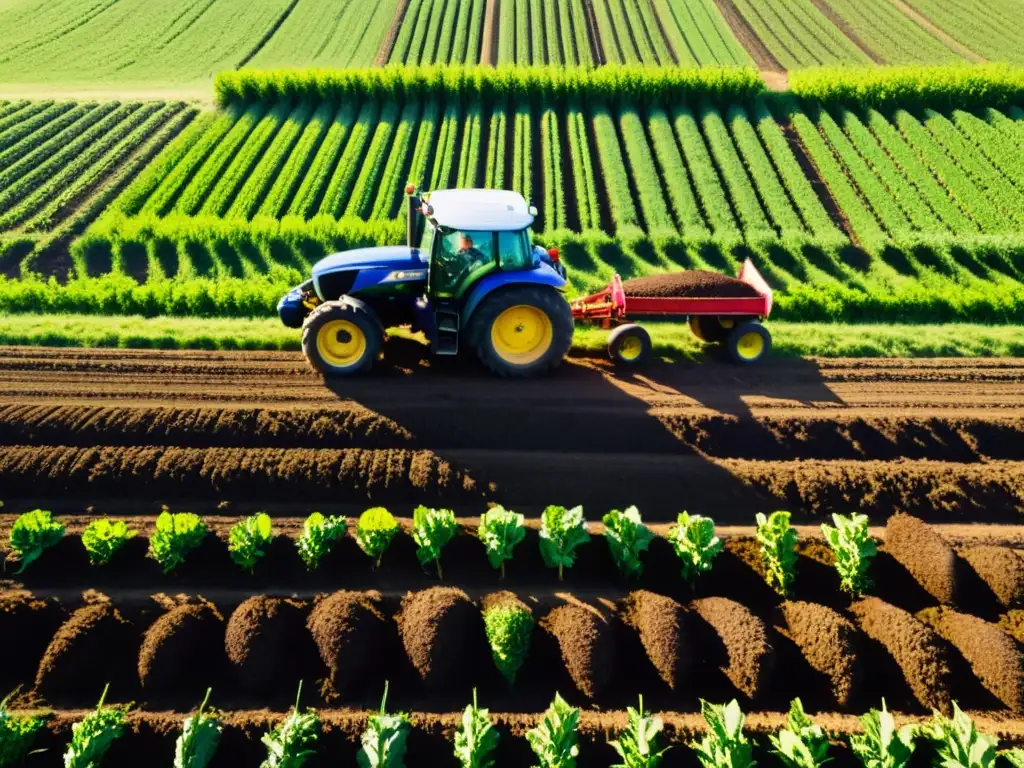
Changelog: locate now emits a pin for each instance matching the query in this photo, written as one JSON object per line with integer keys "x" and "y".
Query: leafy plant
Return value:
{"x": 508, "y": 627}
{"x": 288, "y": 745}
{"x": 374, "y": 532}
{"x": 561, "y": 531}
{"x": 318, "y": 536}
{"x": 176, "y": 535}
{"x": 555, "y": 741}
{"x": 802, "y": 743}
{"x": 431, "y": 530}
{"x": 957, "y": 741}
{"x": 627, "y": 537}
{"x": 854, "y": 550}
{"x": 881, "y": 745}
{"x": 637, "y": 745}
{"x": 501, "y": 530}
{"x": 16, "y": 735}
{"x": 92, "y": 737}
{"x": 778, "y": 550}
{"x": 384, "y": 740}
{"x": 693, "y": 538}
{"x": 249, "y": 540}
{"x": 102, "y": 539}
{"x": 199, "y": 738}
{"x": 476, "y": 738}
{"x": 724, "y": 745}
{"x": 32, "y": 534}
{"x": 1014, "y": 757}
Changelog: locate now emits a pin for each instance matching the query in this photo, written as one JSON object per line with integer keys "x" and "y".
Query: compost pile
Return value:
{"x": 692, "y": 284}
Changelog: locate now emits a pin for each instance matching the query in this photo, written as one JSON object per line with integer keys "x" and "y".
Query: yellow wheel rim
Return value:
{"x": 522, "y": 334}
{"x": 750, "y": 346}
{"x": 631, "y": 348}
{"x": 341, "y": 343}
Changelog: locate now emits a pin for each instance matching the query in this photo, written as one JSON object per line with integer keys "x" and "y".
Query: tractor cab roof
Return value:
{"x": 492, "y": 210}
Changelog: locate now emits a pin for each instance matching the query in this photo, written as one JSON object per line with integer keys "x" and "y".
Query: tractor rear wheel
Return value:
{"x": 522, "y": 331}
{"x": 749, "y": 343}
{"x": 341, "y": 339}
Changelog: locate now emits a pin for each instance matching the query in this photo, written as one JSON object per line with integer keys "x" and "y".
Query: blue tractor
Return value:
{"x": 469, "y": 278}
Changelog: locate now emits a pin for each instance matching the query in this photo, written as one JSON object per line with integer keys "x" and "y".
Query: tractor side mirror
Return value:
{"x": 553, "y": 253}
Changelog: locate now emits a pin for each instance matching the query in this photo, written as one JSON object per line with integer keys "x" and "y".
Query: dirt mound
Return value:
{"x": 26, "y": 625}
{"x": 179, "y": 650}
{"x": 261, "y": 639}
{"x": 350, "y": 632}
{"x": 661, "y": 622}
{"x": 84, "y": 651}
{"x": 917, "y": 650}
{"x": 925, "y": 554}
{"x": 828, "y": 642}
{"x": 749, "y": 658}
{"x": 587, "y": 643}
{"x": 691, "y": 284}
{"x": 992, "y": 653}
{"x": 1001, "y": 568}
{"x": 1012, "y": 622}
{"x": 443, "y": 634}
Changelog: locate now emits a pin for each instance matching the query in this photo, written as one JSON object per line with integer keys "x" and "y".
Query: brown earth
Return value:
{"x": 925, "y": 554}
{"x": 661, "y": 624}
{"x": 176, "y": 648}
{"x": 690, "y": 284}
{"x": 264, "y": 639}
{"x": 828, "y": 642}
{"x": 442, "y": 633}
{"x": 587, "y": 644}
{"x": 741, "y": 29}
{"x": 1001, "y": 568}
{"x": 845, "y": 29}
{"x": 350, "y": 632}
{"x": 742, "y": 651}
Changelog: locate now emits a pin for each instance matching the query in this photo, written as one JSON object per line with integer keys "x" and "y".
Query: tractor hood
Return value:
{"x": 352, "y": 271}
{"x": 393, "y": 257}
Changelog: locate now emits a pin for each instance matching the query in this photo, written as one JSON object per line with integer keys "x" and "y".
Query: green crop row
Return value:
{"x": 697, "y": 33}
{"x": 447, "y": 32}
{"x": 992, "y": 34}
{"x": 891, "y": 36}
{"x": 798, "y": 35}
{"x": 46, "y": 119}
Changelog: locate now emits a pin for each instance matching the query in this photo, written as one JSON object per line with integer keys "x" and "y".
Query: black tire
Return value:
{"x": 319, "y": 355}
{"x": 548, "y": 301}
{"x": 629, "y": 345}
{"x": 714, "y": 329}
{"x": 749, "y": 343}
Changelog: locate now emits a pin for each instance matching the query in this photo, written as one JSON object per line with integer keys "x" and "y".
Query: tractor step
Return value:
{"x": 447, "y": 322}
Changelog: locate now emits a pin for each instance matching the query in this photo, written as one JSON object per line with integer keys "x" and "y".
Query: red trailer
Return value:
{"x": 734, "y": 321}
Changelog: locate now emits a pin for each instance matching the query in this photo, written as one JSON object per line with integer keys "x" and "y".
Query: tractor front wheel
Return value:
{"x": 749, "y": 343}
{"x": 341, "y": 339}
{"x": 522, "y": 331}
{"x": 629, "y": 345}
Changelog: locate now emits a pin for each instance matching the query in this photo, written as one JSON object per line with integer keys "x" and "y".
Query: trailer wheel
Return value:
{"x": 629, "y": 345}
{"x": 522, "y": 330}
{"x": 341, "y": 339}
{"x": 749, "y": 343}
{"x": 712, "y": 329}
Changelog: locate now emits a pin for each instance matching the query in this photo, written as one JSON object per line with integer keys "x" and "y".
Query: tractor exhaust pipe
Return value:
{"x": 413, "y": 210}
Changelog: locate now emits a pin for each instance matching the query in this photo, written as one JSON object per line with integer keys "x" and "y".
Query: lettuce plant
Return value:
{"x": 249, "y": 539}
{"x": 176, "y": 536}
{"x": 33, "y": 533}
{"x": 802, "y": 743}
{"x": 476, "y": 739}
{"x": 432, "y": 529}
{"x": 637, "y": 745}
{"x": 16, "y": 735}
{"x": 627, "y": 537}
{"x": 957, "y": 741}
{"x": 882, "y": 745}
{"x": 724, "y": 745}
{"x": 318, "y": 536}
{"x": 555, "y": 741}
{"x": 509, "y": 627}
{"x": 199, "y": 738}
{"x": 693, "y": 538}
{"x": 1015, "y": 757}
{"x": 384, "y": 740}
{"x": 374, "y": 532}
{"x": 854, "y": 551}
{"x": 289, "y": 744}
{"x": 778, "y": 550}
{"x": 501, "y": 530}
{"x": 103, "y": 539}
{"x": 561, "y": 532}
{"x": 92, "y": 737}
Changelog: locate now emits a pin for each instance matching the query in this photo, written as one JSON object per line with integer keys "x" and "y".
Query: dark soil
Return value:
{"x": 587, "y": 643}
{"x": 661, "y": 622}
{"x": 351, "y": 634}
{"x": 829, "y": 644}
{"x": 180, "y": 649}
{"x": 27, "y": 623}
{"x": 1002, "y": 570}
{"x": 735, "y": 641}
{"x": 695, "y": 284}
{"x": 443, "y": 634}
{"x": 925, "y": 554}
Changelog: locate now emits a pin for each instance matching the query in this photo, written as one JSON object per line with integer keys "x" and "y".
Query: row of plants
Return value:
{"x": 440, "y": 33}
{"x": 800, "y": 743}
{"x": 798, "y": 35}
{"x": 562, "y": 532}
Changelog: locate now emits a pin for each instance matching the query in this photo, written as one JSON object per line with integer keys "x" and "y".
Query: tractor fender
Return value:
{"x": 539, "y": 275}
{"x": 352, "y": 301}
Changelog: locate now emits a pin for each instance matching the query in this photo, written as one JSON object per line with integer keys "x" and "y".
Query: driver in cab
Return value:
{"x": 468, "y": 254}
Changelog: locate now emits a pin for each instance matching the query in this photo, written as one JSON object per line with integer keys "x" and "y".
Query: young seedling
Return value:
{"x": 957, "y": 742}
{"x": 384, "y": 740}
{"x": 103, "y": 539}
{"x": 555, "y": 741}
{"x": 501, "y": 530}
{"x": 561, "y": 532}
{"x": 882, "y": 745}
{"x": 724, "y": 745}
{"x": 92, "y": 737}
{"x": 627, "y": 537}
{"x": 509, "y": 627}
{"x": 16, "y": 735}
{"x": 176, "y": 536}
{"x": 693, "y": 538}
{"x": 32, "y": 534}
{"x": 249, "y": 540}
{"x": 778, "y": 550}
{"x": 288, "y": 745}
{"x": 432, "y": 529}
{"x": 476, "y": 738}
{"x": 374, "y": 532}
{"x": 802, "y": 743}
{"x": 199, "y": 738}
{"x": 637, "y": 745}
{"x": 854, "y": 551}
{"x": 318, "y": 536}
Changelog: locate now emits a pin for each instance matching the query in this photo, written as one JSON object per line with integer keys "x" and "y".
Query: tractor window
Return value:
{"x": 461, "y": 258}
{"x": 513, "y": 250}
{"x": 428, "y": 236}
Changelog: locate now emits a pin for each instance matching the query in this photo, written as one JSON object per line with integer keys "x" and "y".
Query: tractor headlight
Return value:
{"x": 403, "y": 275}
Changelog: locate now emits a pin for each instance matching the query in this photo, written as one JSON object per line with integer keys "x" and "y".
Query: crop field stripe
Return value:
{"x": 418, "y": 42}
{"x": 447, "y": 141}
{"x": 403, "y": 44}
{"x": 644, "y": 173}
{"x": 1003, "y": 153}
{"x": 391, "y": 187}
{"x": 1009, "y": 127}
{"x": 817, "y": 33}
{"x": 553, "y": 213}
{"x": 990, "y": 34}
{"x": 371, "y": 167}
{"x": 643, "y": 43}
{"x": 784, "y": 29}
{"x": 522, "y": 143}
{"x": 497, "y": 140}
{"x": 277, "y": 200}
{"x": 339, "y": 188}
{"x": 16, "y": 113}
{"x": 889, "y": 32}
{"x": 468, "y": 173}
{"x": 35, "y": 135}
{"x": 315, "y": 180}
{"x": 584, "y": 183}
{"x": 612, "y": 51}
{"x": 11, "y": 108}
{"x": 688, "y": 49}
{"x": 34, "y": 122}
{"x": 506, "y": 33}
{"x": 435, "y": 31}
{"x": 585, "y": 53}
{"x": 706, "y": 182}
{"x": 429, "y": 127}
{"x": 673, "y": 171}
{"x": 613, "y": 170}
{"x": 458, "y": 43}
{"x": 703, "y": 25}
